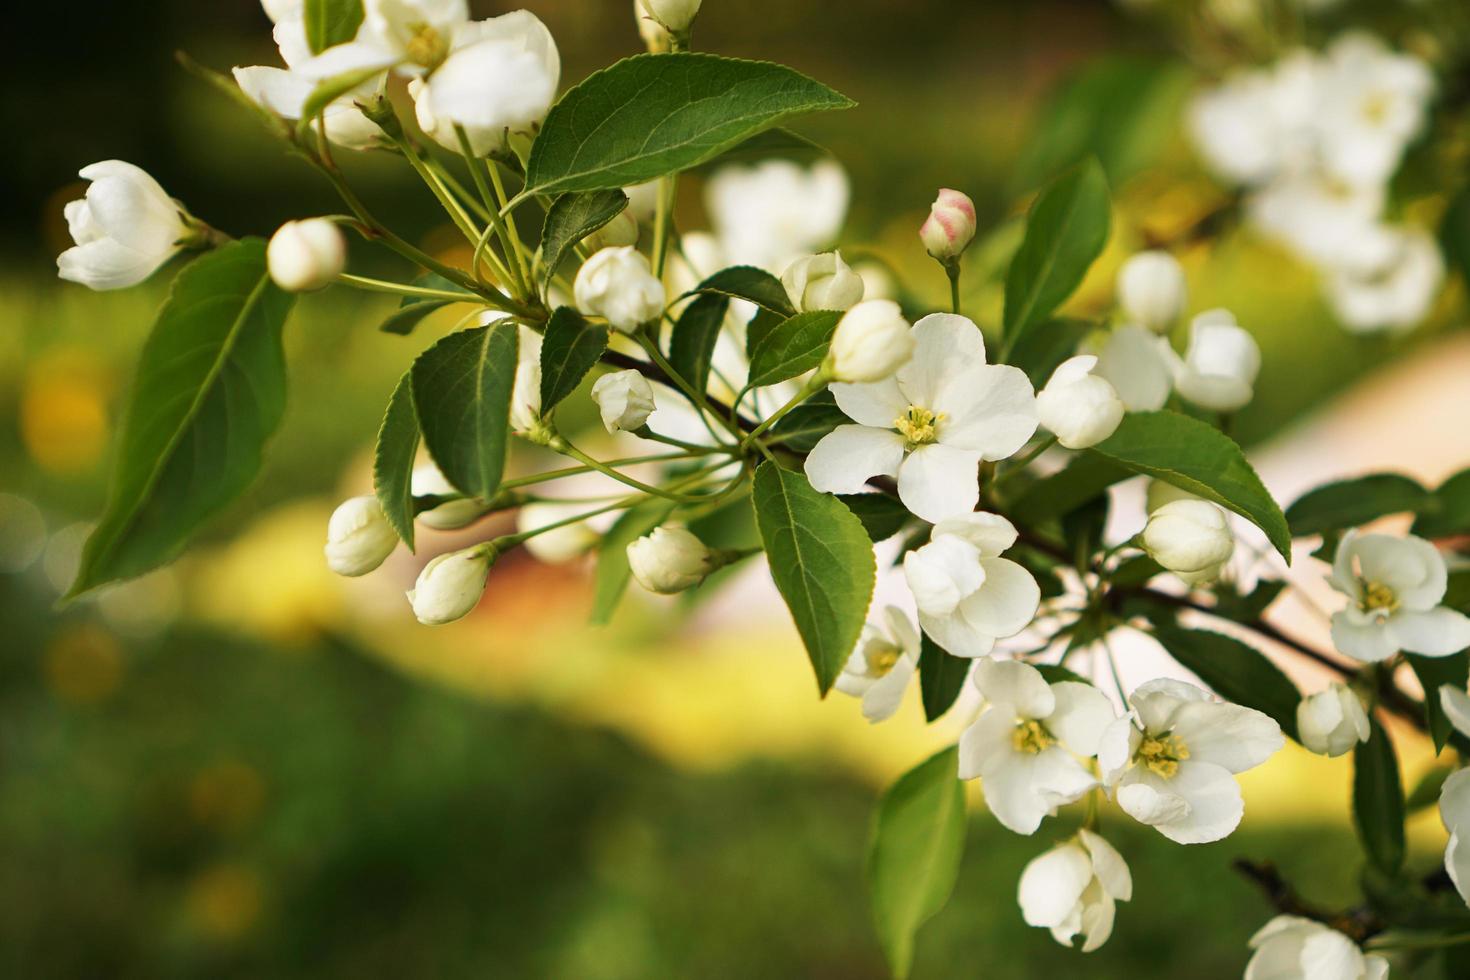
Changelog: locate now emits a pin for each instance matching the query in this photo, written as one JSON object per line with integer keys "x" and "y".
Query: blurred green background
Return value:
{"x": 242, "y": 767}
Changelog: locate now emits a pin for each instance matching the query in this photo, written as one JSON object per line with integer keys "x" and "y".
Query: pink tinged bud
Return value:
{"x": 950, "y": 227}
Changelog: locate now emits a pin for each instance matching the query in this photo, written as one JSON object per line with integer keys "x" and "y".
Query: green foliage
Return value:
{"x": 1454, "y": 235}
{"x": 914, "y": 859}
{"x": 653, "y": 115}
{"x": 413, "y": 309}
{"x": 749, "y": 283}
{"x": 1447, "y": 511}
{"x": 613, "y": 572}
{"x": 1235, "y": 671}
{"x": 941, "y": 677}
{"x": 461, "y": 391}
{"x": 1246, "y": 607}
{"x": 692, "y": 345}
{"x": 1197, "y": 457}
{"x": 330, "y": 90}
{"x": 805, "y": 425}
{"x": 1065, "y": 232}
{"x": 330, "y": 22}
{"x": 571, "y": 218}
{"x": 1378, "y": 800}
{"x": 1082, "y": 479}
{"x": 393, "y": 458}
{"x": 1039, "y": 351}
{"x": 571, "y": 349}
{"x": 821, "y": 561}
{"x": 210, "y": 391}
{"x": 795, "y": 346}
{"x": 1434, "y": 673}
{"x": 1349, "y": 503}
{"x": 882, "y": 516}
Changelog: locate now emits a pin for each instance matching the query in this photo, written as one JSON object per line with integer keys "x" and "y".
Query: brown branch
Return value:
{"x": 1357, "y": 924}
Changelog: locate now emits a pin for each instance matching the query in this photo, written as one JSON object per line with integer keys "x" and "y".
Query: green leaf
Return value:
{"x": 1038, "y": 352}
{"x": 653, "y": 115}
{"x": 796, "y": 346}
{"x": 1235, "y": 671}
{"x": 613, "y": 572}
{"x": 1349, "y": 503}
{"x": 571, "y": 218}
{"x": 1057, "y": 674}
{"x": 914, "y": 859}
{"x": 941, "y": 677}
{"x": 329, "y": 90}
{"x": 1135, "y": 571}
{"x": 773, "y": 144}
{"x": 331, "y": 22}
{"x": 210, "y": 390}
{"x": 1247, "y": 607}
{"x": 1454, "y": 235}
{"x": 1447, "y": 511}
{"x": 882, "y": 516}
{"x": 1378, "y": 800}
{"x": 749, "y": 283}
{"x": 822, "y": 563}
{"x": 569, "y": 352}
{"x": 413, "y": 309}
{"x": 1197, "y": 457}
{"x": 805, "y": 425}
{"x": 1075, "y": 484}
{"x": 1065, "y": 231}
{"x": 461, "y": 390}
{"x": 692, "y": 345}
{"x": 1434, "y": 673}
{"x": 1426, "y": 792}
{"x": 393, "y": 459}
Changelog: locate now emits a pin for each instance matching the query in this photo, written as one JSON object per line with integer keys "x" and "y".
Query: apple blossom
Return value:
{"x": 1161, "y": 492}
{"x": 1073, "y": 889}
{"x": 769, "y": 214}
{"x": 1394, "y": 586}
{"x": 411, "y": 37}
{"x": 1321, "y": 220}
{"x": 1373, "y": 103}
{"x": 1290, "y": 947}
{"x": 1456, "y": 704}
{"x": 125, "y": 228}
{"x": 871, "y": 342}
{"x": 450, "y": 585}
{"x": 950, "y": 227}
{"x": 620, "y": 231}
{"x": 306, "y": 255}
{"x": 1151, "y": 290}
{"x": 931, "y": 424}
{"x": 1220, "y": 367}
{"x": 654, "y": 37}
{"x": 1080, "y": 408}
{"x": 1188, "y": 536}
{"x": 1332, "y": 722}
{"x": 625, "y": 400}
{"x": 882, "y": 665}
{"x": 561, "y": 544}
{"x": 1026, "y": 743}
{"x": 359, "y": 537}
{"x": 674, "y": 16}
{"x": 618, "y": 284}
{"x": 1171, "y": 762}
{"x": 457, "y": 512}
{"x": 968, "y": 596}
{"x": 1395, "y": 289}
{"x": 1454, "y": 811}
{"x": 822, "y": 282}
{"x": 669, "y": 560}
{"x": 1136, "y": 362}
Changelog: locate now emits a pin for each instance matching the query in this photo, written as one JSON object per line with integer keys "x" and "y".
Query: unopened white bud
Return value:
{"x": 306, "y": 255}
{"x": 620, "y": 231}
{"x": 429, "y": 481}
{"x": 1161, "y": 492}
{"x": 674, "y": 15}
{"x": 1151, "y": 290}
{"x": 1220, "y": 367}
{"x": 450, "y": 586}
{"x": 1078, "y": 407}
{"x": 359, "y": 537}
{"x": 872, "y": 340}
{"x": 822, "y": 282}
{"x": 950, "y": 227}
{"x": 1332, "y": 721}
{"x": 1188, "y": 536}
{"x": 670, "y": 560}
{"x": 625, "y": 399}
{"x": 619, "y": 285}
{"x": 125, "y": 228}
{"x": 560, "y": 544}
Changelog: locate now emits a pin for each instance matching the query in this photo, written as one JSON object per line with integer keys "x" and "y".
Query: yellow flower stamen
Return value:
{"x": 1162, "y": 754}
{"x": 1377, "y": 597}
{"x": 881, "y": 658}
{"x": 1030, "y": 736}
{"x": 918, "y": 426}
{"x": 427, "y": 47}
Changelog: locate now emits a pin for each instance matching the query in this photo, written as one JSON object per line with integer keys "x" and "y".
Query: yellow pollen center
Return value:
{"x": 1162, "y": 754}
{"x": 1375, "y": 108}
{"x": 881, "y": 659}
{"x": 1031, "y": 737}
{"x": 426, "y": 47}
{"x": 1377, "y": 597}
{"x": 918, "y": 426}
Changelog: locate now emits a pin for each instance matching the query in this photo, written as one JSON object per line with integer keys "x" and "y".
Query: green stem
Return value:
{"x": 560, "y": 445}
{"x": 1425, "y": 942}
{"x": 510, "y": 222}
{"x": 952, "y": 269}
{"x": 549, "y": 475}
{"x": 399, "y": 289}
{"x": 663, "y": 216}
{"x": 512, "y": 267}
{"x": 817, "y": 383}
{"x": 696, "y": 399}
{"x": 1019, "y": 463}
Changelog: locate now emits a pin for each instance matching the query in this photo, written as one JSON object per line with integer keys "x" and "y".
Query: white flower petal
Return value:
{"x": 883, "y": 698}
{"x": 1214, "y": 805}
{"x": 1018, "y": 685}
{"x": 945, "y": 344}
{"x": 1436, "y": 632}
{"x": 1052, "y": 884}
{"x": 942, "y": 573}
{"x": 1228, "y": 735}
{"x": 1108, "y": 865}
{"x": 991, "y": 534}
{"x": 990, "y": 409}
{"x": 1082, "y": 714}
{"x": 848, "y": 456}
{"x": 956, "y": 636}
{"x": 935, "y": 481}
{"x": 1369, "y": 642}
{"x": 1456, "y": 705}
{"x": 878, "y": 403}
{"x": 1006, "y": 604}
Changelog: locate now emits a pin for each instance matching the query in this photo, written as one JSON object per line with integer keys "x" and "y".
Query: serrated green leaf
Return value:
{"x": 941, "y": 677}
{"x": 692, "y": 345}
{"x": 749, "y": 283}
{"x": 1447, "y": 511}
{"x": 821, "y": 561}
{"x": 804, "y": 426}
{"x": 773, "y": 144}
{"x": 571, "y": 218}
{"x": 413, "y": 309}
{"x": 1235, "y": 671}
{"x": 795, "y": 346}
{"x": 653, "y": 115}
{"x": 1434, "y": 673}
{"x": 569, "y": 352}
{"x": 613, "y": 572}
{"x": 914, "y": 858}
{"x": 1349, "y": 503}
{"x": 461, "y": 391}
{"x": 330, "y": 22}
{"x": 1378, "y": 800}
{"x": 1197, "y": 457}
{"x": 209, "y": 393}
{"x": 882, "y": 516}
{"x": 1065, "y": 232}
{"x": 393, "y": 459}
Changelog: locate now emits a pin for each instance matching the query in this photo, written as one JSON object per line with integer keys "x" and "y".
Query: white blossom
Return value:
{"x": 950, "y": 227}
{"x": 562, "y": 544}
{"x": 1136, "y": 362}
{"x": 882, "y": 665}
{"x": 624, "y": 399}
{"x": 1151, "y": 290}
{"x": 1454, "y": 811}
{"x": 1188, "y": 536}
{"x": 1027, "y": 744}
{"x": 125, "y": 228}
{"x": 1080, "y": 408}
{"x": 1395, "y": 285}
{"x": 968, "y": 596}
{"x": 618, "y": 284}
{"x": 669, "y": 560}
{"x": 771, "y": 213}
{"x": 1171, "y": 763}
{"x": 1220, "y": 366}
{"x": 1332, "y": 722}
{"x": 1394, "y": 587}
{"x": 822, "y": 282}
{"x": 871, "y": 342}
{"x": 450, "y": 586}
{"x": 1373, "y": 103}
{"x": 525, "y": 393}
{"x": 1323, "y": 221}
{"x": 359, "y": 537}
{"x": 411, "y": 37}
{"x": 306, "y": 255}
{"x": 429, "y": 481}
{"x": 1073, "y": 889}
{"x": 929, "y": 425}
{"x": 1293, "y": 948}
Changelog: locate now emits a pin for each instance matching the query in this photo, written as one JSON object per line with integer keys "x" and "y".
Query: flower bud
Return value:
{"x": 625, "y": 399}
{"x": 1078, "y": 407}
{"x": 561, "y": 544}
{"x": 1161, "y": 492}
{"x": 429, "y": 481}
{"x": 306, "y": 255}
{"x": 950, "y": 227}
{"x": 1151, "y": 290}
{"x": 1188, "y": 536}
{"x": 619, "y": 285}
{"x": 125, "y": 228}
{"x": 676, "y": 16}
{"x": 670, "y": 560}
{"x": 620, "y": 231}
{"x": 871, "y": 341}
{"x": 450, "y": 586}
{"x": 1332, "y": 721}
{"x": 822, "y": 282}
{"x": 1219, "y": 369}
{"x": 655, "y": 38}
{"x": 359, "y": 537}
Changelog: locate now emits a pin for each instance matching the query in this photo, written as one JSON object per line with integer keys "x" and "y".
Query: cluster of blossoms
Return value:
{"x": 1314, "y": 141}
